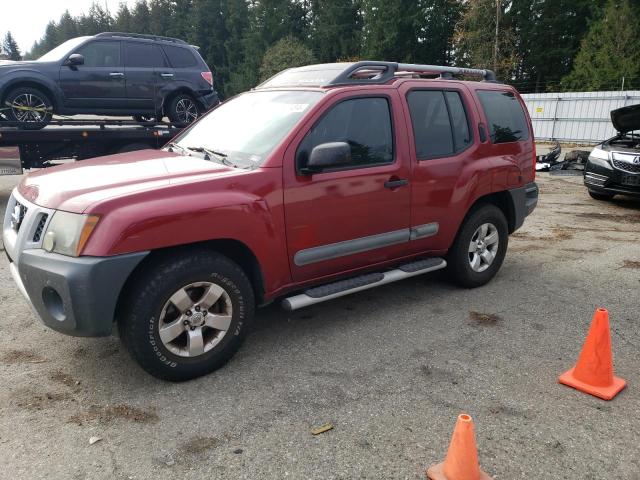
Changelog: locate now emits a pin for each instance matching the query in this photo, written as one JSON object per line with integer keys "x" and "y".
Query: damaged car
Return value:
{"x": 613, "y": 166}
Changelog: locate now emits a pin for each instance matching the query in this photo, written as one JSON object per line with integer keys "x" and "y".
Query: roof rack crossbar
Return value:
{"x": 388, "y": 70}
{"x": 140, "y": 35}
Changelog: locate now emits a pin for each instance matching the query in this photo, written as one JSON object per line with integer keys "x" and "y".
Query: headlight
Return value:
{"x": 600, "y": 157}
{"x": 68, "y": 233}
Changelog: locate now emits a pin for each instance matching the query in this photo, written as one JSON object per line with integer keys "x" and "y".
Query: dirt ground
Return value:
{"x": 390, "y": 368}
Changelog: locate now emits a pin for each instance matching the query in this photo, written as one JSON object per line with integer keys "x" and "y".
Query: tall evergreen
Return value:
{"x": 141, "y": 17}
{"x": 336, "y": 29}
{"x": 10, "y": 47}
{"x": 123, "y": 21}
{"x": 610, "y": 51}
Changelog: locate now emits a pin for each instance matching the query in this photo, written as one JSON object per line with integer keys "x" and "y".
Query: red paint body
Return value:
{"x": 154, "y": 199}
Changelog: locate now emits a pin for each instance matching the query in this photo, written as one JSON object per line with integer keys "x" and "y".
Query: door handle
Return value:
{"x": 116, "y": 74}
{"x": 396, "y": 182}
{"x": 166, "y": 75}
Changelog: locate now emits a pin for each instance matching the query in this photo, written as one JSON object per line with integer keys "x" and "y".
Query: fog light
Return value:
{"x": 49, "y": 242}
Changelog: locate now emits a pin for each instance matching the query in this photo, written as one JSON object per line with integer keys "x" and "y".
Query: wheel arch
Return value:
{"x": 503, "y": 201}
{"x": 173, "y": 93}
{"x": 233, "y": 249}
{"x": 32, "y": 84}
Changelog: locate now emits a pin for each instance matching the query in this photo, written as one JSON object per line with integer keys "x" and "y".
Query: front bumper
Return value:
{"x": 75, "y": 296}
{"x": 601, "y": 177}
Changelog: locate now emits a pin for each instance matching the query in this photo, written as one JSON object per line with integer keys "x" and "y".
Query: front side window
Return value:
{"x": 245, "y": 129}
{"x": 101, "y": 54}
{"x": 507, "y": 122}
{"x": 363, "y": 123}
{"x": 143, "y": 55}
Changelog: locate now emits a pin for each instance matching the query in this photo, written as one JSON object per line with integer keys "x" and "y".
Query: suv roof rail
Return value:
{"x": 140, "y": 35}
{"x": 365, "y": 73}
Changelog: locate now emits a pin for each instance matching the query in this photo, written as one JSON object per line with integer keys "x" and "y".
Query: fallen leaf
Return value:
{"x": 321, "y": 429}
{"x": 93, "y": 440}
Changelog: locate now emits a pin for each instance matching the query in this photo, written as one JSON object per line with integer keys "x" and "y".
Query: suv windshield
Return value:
{"x": 247, "y": 128}
{"x": 61, "y": 50}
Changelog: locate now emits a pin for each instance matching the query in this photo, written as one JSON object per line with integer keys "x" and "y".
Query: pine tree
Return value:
{"x": 438, "y": 20}
{"x": 160, "y": 17}
{"x": 123, "y": 21}
{"x": 610, "y": 51}
{"x": 288, "y": 52}
{"x": 336, "y": 29}
{"x": 10, "y": 47}
{"x": 141, "y": 18}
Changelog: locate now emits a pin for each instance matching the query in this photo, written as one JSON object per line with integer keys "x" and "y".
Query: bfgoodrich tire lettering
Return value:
{"x": 172, "y": 356}
{"x": 483, "y": 234}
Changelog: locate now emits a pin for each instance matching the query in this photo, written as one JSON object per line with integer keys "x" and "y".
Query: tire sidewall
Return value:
{"x": 34, "y": 91}
{"x": 141, "y": 335}
{"x": 458, "y": 257}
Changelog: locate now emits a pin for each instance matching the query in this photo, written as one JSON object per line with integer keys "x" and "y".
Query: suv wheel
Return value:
{"x": 479, "y": 249}
{"x": 183, "y": 110}
{"x": 600, "y": 196}
{"x": 30, "y": 107}
{"x": 187, "y": 315}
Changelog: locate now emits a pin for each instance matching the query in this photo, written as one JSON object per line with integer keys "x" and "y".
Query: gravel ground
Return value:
{"x": 390, "y": 368}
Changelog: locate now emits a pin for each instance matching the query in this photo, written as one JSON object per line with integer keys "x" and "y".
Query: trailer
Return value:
{"x": 22, "y": 149}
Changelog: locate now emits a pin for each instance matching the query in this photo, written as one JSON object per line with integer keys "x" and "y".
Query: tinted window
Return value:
{"x": 364, "y": 123}
{"x": 507, "y": 122}
{"x": 459, "y": 122}
{"x": 431, "y": 125}
{"x": 143, "y": 55}
{"x": 180, "y": 57}
{"x": 101, "y": 54}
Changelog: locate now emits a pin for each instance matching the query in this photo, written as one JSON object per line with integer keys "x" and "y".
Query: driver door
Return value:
{"x": 356, "y": 215}
{"x": 99, "y": 82}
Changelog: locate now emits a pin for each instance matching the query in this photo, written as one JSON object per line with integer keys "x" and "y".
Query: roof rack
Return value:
{"x": 140, "y": 35}
{"x": 366, "y": 73}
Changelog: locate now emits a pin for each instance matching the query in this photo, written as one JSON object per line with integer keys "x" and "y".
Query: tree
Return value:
{"x": 10, "y": 47}
{"x": 483, "y": 40}
{"x": 124, "y": 20}
{"x": 285, "y": 53}
{"x": 141, "y": 18}
{"x": 610, "y": 50}
{"x": 336, "y": 29}
{"x": 437, "y": 22}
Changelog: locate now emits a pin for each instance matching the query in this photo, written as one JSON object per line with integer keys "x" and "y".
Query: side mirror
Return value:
{"x": 329, "y": 155}
{"x": 75, "y": 59}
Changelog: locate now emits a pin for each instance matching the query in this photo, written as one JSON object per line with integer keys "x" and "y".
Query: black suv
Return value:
{"x": 111, "y": 73}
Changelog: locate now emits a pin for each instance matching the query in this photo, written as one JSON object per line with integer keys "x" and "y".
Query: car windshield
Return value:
{"x": 61, "y": 50}
{"x": 244, "y": 130}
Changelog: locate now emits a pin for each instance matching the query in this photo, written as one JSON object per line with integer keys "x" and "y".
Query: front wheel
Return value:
{"x": 187, "y": 315}
{"x": 479, "y": 249}
{"x": 30, "y": 107}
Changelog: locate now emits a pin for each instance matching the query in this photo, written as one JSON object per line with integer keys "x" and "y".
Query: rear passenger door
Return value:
{"x": 442, "y": 147}
{"x": 144, "y": 65}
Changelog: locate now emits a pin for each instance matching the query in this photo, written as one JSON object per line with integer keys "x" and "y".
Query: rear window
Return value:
{"x": 180, "y": 57}
{"x": 143, "y": 55}
{"x": 440, "y": 125}
{"x": 507, "y": 121}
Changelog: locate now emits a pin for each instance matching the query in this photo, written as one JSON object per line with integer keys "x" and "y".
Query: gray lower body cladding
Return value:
{"x": 524, "y": 201}
{"x": 75, "y": 296}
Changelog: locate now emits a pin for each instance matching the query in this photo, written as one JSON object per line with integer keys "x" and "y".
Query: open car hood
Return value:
{"x": 626, "y": 119}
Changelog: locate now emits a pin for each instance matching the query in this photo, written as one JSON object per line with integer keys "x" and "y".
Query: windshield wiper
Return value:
{"x": 213, "y": 153}
{"x": 174, "y": 145}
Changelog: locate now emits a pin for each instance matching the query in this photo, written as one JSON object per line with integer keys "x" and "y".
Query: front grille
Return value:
{"x": 17, "y": 216}
{"x": 626, "y": 166}
{"x": 40, "y": 227}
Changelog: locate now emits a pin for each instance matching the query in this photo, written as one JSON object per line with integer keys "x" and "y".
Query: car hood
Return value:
{"x": 74, "y": 187}
{"x": 626, "y": 119}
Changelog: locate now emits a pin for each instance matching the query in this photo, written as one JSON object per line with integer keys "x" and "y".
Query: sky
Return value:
{"x": 37, "y": 13}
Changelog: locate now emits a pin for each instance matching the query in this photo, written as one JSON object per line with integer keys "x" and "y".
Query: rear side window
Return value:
{"x": 364, "y": 123}
{"x": 507, "y": 122}
{"x": 101, "y": 54}
{"x": 180, "y": 57}
{"x": 143, "y": 55}
{"x": 440, "y": 125}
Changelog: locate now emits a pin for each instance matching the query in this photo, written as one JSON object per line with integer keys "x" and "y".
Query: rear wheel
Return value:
{"x": 30, "y": 107}
{"x": 183, "y": 110}
{"x": 187, "y": 315}
{"x": 479, "y": 249}
{"x": 600, "y": 196}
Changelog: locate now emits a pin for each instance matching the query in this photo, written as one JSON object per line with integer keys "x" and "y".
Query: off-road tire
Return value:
{"x": 35, "y": 93}
{"x": 600, "y": 196}
{"x": 458, "y": 264}
{"x": 147, "y": 294}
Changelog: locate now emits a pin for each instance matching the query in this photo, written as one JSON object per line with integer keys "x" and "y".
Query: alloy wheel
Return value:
{"x": 483, "y": 247}
{"x": 29, "y": 107}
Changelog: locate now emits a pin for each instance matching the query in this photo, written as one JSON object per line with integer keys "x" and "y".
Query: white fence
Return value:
{"x": 577, "y": 117}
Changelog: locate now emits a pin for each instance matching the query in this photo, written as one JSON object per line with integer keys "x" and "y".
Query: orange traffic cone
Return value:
{"x": 593, "y": 372}
{"x": 461, "y": 462}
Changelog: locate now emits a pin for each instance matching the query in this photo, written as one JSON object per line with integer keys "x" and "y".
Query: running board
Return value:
{"x": 362, "y": 282}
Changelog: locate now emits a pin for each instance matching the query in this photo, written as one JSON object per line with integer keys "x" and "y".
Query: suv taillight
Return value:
{"x": 208, "y": 77}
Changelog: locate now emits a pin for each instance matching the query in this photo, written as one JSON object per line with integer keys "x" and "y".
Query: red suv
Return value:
{"x": 323, "y": 181}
